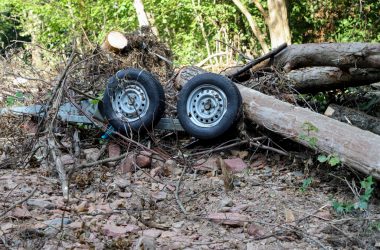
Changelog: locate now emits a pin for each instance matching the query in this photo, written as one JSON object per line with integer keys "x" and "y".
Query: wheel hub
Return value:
{"x": 130, "y": 100}
{"x": 206, "y": 105}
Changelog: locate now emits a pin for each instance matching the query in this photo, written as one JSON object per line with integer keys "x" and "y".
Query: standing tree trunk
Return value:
{"x": 141, "y": 14}
{"x": 278, "y": 23}
{"x": 255, "y": 29}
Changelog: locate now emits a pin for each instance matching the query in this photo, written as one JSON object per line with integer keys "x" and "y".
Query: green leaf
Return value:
{"x": 322, "y": 158}
{"x": 334, "y": 160}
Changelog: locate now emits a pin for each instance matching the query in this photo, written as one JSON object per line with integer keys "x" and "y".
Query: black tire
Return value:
{"x": 138, "y": 84}
{"x": 193, "y": 97}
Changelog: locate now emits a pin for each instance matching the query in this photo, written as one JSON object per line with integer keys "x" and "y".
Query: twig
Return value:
{"x": 177, "y": 186}
{"x": 87, "y": 165}
{"x": 82, "y": 93}
{"x": 236, "y": 50}
{"x": 258, "y": 60}
{"x": 270, "y": 148}
{"x": 18, "y": 203}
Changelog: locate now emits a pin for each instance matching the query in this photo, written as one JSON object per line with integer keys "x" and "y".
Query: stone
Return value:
{"x": 235, "y": 165}
{"x": 114, "y": 150}
{"x": 170, "y": 166}
{"x": 114, "y": 231}
{"x": 178, "y": 224}
{"x": 54, "y": 225}
{"x": 159, "y": 195}
{"x": 67, "y": 159}
{"x": 255, "y": 231}
{"x": 226, "y": 202}
{"x": 121, "y": 182}
{"x": 154, "y": 233}
{"x": 232, "y": 219}
{"x": 76, "y": 225}
{"x": 21, "y": 213}
{"x": 125, "y": 195}
{"x": 91, "y": 154}
{"x": 211, "y": 164}
{"x": 82, "y": 207}
{"x": 127, "y": 164}
{"x": 144, "y": 159}
{"x": 40, "y": 203}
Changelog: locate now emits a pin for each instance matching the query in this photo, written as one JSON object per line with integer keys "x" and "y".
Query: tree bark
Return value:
{"x": 255, "y": 29}
{"x": 355, "y": 147}
{"x": 341, "y": 55}
{"x": 354, "y": 117}
{"x": 316, "y": 79}
{"x": 115, "y": 42}
{"x": 141, "y": 14}
{"x": 278, "y": 23}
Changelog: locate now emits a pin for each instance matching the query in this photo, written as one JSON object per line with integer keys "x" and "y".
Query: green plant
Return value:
{"x": 17, "y": 98}
{"x": 332, "y": 159}
{"x": 362, "y": 200}
{"x": 305, "y": 184}
{"x": 308, "y": 127}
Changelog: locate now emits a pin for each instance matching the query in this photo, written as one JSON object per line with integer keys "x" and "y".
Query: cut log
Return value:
{"x": 341, "y": 55}
{"x": 315, "y": 79}
{"x": 355, "y": 147}
{"x": 115, "y": 41}
{"x": 354, "y": 117}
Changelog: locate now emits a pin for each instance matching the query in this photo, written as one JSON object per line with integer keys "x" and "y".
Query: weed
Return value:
{"x": 332, "y": 159}
{"x": 305, "y": 184}
{"x": 309, "y": 127}
{"x": 362, "y": 200}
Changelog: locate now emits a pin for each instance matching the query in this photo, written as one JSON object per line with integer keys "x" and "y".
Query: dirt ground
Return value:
{"x": 111, "y": 209}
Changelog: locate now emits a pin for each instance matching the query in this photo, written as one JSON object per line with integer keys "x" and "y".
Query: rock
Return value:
{"x": 235, "y": 165}
{"x": 76, "y": 225}
{"x": 121, "y": 182}
{"x": 114, "y": 231}
{"x": 226, "y": 202}
{"x": 54, "y": 225}
{"x": 127, "y": 164}
{"x": 82, "y": 207}
{"x": 159, "y": 195}
{"x": 171, "y": 167}
{"x": 211, "y": 164}
{"x": 144, "y": 159}
{"x": 232, "y": 219}
{"x": 21, "y": 213}
{"x": 67, "y": 159}
{"x": 157, "y": 171}
{"x": 255, "y": 230}
{"x": 91, "y": 154}
{"x": 178, "y": 224}
{"x": 240, "y": 154}
{"x": 40, "y": 203}
{"x": 154, "y": 233}
{"x": 57, "y": 222}
{"x": 114, "y": 150}
{"x": 125, "y": 195}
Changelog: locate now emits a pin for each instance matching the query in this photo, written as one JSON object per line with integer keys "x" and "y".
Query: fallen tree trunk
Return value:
{"x": 115, "y": 42}
{"x": 341, "y": 55}
{"x": 315, "y": 79}
{"x": 355, "y": 147}
{"x": 354, "y": 117}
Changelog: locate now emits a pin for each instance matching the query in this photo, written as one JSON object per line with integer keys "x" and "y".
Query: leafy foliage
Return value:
{"x": 190, "y": 27}
{"x": 362, "y": 201}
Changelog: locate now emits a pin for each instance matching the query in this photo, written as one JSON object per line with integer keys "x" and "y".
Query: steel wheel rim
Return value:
{"x": 130, "y": 100}
{"x": 206, "y": 105}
